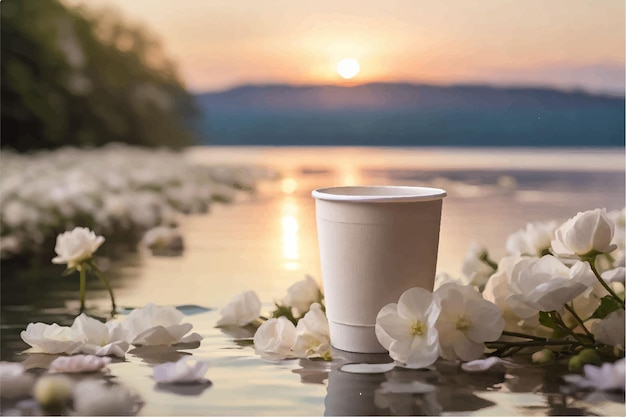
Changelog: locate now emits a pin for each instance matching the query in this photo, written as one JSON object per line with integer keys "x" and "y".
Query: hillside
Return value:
{"x": 410, "y": 115}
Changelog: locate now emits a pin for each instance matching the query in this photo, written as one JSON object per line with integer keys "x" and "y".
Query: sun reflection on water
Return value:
{"x": 290, "y": 226}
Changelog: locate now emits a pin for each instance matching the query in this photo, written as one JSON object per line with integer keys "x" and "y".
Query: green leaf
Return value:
{"x": 607, "y": 306}
{"x": 284, "y": 311}
{"x": 546, "y": 319}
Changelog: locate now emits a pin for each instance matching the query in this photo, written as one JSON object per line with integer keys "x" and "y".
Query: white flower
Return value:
{"x": 610, "y": 376}
{"x": 587, "y": 232}
{"x": 466, "y": 321}
{"x": 619, "y": 218}
{"x": 610, "y": 330}
{"x": 275, "y": 338}
{"x": 52, "y": 338}
{"x": 313, "y": 335}
{"x": 15, "y": 381}
{"x": 78, "y": 364}
{"x": 498, "y": 290}
{"x": 76, "y": 246}
{"x": 155, "y": 325}
{"x": 302, "y": 294}
{"x": 186, "y": 370}
{"x": 546, "y": 284}
{"x": 407, "y": 329}
{"x": 475, "y": 271}
{"x": 97, "y": 398}
{"x": 534, "y": 240}
{"x": 243, "y": 309}
{"x": 102, "y": 339}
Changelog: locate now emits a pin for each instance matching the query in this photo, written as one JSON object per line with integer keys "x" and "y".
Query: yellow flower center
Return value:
{"x": 463, "y": 323}
{"x": 418, "y": 328}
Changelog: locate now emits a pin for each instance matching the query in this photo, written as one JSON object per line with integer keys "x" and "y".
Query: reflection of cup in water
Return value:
{"x": 389, "y": 393}
{"x": 375, "y": 243}
{"x": 352, "y": 394}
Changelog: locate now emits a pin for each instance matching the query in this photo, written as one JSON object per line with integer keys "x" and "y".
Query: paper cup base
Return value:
{"x": 358, "y": 339}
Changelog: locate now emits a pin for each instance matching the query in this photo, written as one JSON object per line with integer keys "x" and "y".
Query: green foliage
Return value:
{"x": 284, "y": 311}
{"x": 608, "y": 305}
{"x": 69, "y": 78}
{"x": 546, "y": 319}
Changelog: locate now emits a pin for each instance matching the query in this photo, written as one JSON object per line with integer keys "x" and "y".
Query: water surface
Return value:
{"x": 267, "y": 241}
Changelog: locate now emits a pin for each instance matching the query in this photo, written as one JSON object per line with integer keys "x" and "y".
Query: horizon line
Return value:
{"x": 348, "y": 84}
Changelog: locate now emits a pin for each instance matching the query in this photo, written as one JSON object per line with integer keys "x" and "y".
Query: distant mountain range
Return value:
{"x": 398, "y": 114}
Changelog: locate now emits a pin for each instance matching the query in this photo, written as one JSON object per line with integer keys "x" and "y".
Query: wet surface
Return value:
{"x": 265, "y": 242}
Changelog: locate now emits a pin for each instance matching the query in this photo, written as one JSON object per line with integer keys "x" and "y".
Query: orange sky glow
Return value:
{"x": 218, "y": 44}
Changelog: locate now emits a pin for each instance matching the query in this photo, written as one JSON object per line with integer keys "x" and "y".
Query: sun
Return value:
{"x": 348, "y": 68}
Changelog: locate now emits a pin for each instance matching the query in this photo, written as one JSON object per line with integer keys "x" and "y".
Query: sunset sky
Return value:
{"x": 223, "y": 43}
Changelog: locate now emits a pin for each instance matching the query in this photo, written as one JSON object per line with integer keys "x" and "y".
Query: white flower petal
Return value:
{"x": 609, "y": 376}
{"x": 78, "y": 364}
{"x": 76, "y": 246}
{"x": 243, "y": 309}
{"x": 491, "y": 364}
{"x": 302, "y": 294}
{"x": 186, "y": 370}
{"x": 117, "y": 349}
{"x": 159, "y": 335}
{"x": 412, "y": 302}
{"x": 468, "y": 350}
{"x": 588, "y": 231}
{"x": 155, "y": 325}
{"x": 367, "y": 368}
{"x": 393, "y": 325}
{"x": 275, "y": 338}
{"x": 52, "y": 338}
{"x": 313, "y": 335}
{"x": 610, "y": 330}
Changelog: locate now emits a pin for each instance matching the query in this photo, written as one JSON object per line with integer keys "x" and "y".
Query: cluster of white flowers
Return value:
{"x": 298, "y": 328}
{"x": 549, "y": 268}
{"x": 116, "y": 189}
{"x": 147, "y": 326}
{"x": 454, "y": 322}
{"x": 560, "y": 287}
{"x": 565, "y": 282}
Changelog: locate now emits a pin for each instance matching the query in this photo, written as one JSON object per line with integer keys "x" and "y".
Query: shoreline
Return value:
{"x": 426, "y": 158}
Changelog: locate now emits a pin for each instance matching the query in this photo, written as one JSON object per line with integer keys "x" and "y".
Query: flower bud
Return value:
{"x": 590, "y": 356}
{"x": 543, "y": 356}
{"x": 53, "y": 393}
{"x": 584, "y": 357}
{"x": 575, "y": 364}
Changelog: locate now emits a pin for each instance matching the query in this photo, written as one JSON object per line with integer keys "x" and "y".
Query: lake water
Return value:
{"x": 267, "y": 240}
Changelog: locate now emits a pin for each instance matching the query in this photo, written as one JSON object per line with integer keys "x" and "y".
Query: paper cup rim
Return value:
{"x": 378, "y": 194}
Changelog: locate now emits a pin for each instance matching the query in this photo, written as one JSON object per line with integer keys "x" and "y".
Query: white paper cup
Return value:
{"x": 375, "y": 243}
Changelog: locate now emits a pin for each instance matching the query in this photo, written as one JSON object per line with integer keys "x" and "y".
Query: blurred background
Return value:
{"x": 401, "y": 73}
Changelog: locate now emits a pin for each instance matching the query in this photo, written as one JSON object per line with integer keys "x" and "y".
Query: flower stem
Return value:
{"x": 523, "y": 335}
{"x": 484, "y": 256}
{"x": 559, "y": 321}
{"x": 592, "y": 264}
{"x": 579, "y": 320}
{"x": 108, "y": 287}
{"x": 82, "y": 289}
{"x": 538, "y": 343}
